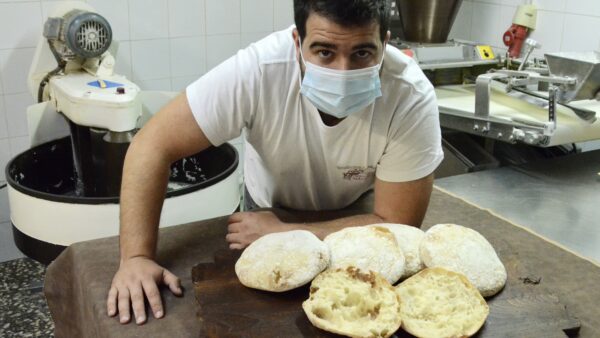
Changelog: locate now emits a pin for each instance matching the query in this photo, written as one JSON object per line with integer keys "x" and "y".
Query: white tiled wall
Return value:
{"x": 163, "y": 45}
{"x": 562, "y": 25}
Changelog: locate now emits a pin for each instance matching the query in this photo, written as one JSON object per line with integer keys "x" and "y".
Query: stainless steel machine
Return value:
{"x": 546, "y": 106}
{"x": 484, "y": 97}
{"x": 421, "y": 28}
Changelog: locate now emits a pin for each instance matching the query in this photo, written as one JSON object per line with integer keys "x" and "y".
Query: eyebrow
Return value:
{"x": 366, "y": 45}
{"x": 317, "y": 44}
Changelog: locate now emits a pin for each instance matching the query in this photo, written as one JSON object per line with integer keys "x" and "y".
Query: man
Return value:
{"x": 326, "y": 120}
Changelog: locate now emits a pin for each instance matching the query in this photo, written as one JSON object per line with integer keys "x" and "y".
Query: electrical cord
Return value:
{"x": 45, "y": 81}
{"x": 61, "y": 66}
{"x": 2, "y": 186}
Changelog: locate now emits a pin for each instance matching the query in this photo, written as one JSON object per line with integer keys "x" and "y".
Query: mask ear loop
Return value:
{"x": 382, "y": 57}
{"x": 301, "y": 60}
{"x": 301, "y": 54}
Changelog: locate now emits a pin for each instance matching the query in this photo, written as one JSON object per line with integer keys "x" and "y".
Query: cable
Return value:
{"x": 45, "y": 82}
{"x": 3, "y": 186}
{"x": 61, "y": 66}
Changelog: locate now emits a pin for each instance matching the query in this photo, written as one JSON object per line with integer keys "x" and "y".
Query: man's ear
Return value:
{"x": 296, "y": 37}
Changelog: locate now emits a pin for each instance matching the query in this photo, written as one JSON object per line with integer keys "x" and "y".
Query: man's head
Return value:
{"x": 347, "y": 13}
{"x": 342, "y": 34}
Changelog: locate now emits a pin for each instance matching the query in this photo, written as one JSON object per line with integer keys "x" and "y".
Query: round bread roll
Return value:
{"x": 465, "y": 251}
{"x": 440, "y": 303}
{"x": 282, "y": 261}
{"x": 352, "y": 303}
{"x": 409, "y": 239}
{"x": 368, "y": 249}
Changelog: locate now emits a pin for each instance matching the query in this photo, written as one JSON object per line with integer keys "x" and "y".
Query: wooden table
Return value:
{"x": 77, "y": 282}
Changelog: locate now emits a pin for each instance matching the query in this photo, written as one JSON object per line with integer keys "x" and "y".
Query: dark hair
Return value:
{"x": 348, "y": 13}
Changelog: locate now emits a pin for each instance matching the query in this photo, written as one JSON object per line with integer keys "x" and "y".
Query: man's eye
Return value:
{"x": 324, "y": 53}
{"x": 363, "y": 54}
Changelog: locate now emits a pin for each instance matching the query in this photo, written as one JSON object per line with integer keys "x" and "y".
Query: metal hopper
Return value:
{"x": 584, "y": 66}
{"x": 427, "y": 21}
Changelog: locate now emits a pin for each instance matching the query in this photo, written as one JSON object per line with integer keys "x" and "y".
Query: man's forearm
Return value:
{"x": 145, "y": 177}
{"x": 322, "y": 229}
{"x": 404, "y": 202}
{"x": 170, "y": 135}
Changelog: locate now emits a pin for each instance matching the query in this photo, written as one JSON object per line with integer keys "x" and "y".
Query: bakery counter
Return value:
{"x": 77, "y": 281}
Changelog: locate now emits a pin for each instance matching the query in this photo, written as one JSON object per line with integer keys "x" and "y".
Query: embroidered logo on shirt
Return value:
{"x": 357, "y": 173}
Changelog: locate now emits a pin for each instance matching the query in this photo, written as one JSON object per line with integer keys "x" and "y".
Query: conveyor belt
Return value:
{"x": 457, "y": 110}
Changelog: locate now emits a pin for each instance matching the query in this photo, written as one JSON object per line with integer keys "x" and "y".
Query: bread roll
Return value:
{"x": 409, "y": 239}
{"x": 439, "y": 303}
{"x": 282, "y": 261}
{"x": 353, "y": 303}
{"x": 465, "y": 251}
{"x": 368, "y": 249}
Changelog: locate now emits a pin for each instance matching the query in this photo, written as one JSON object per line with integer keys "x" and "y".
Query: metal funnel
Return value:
{"x": 584, "y": 66}
{"x": 427, "y": 21}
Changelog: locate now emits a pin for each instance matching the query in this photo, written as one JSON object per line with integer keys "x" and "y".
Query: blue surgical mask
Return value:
{"x": 340, "y": 93}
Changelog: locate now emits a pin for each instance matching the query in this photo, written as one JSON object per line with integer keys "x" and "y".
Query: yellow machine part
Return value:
{"x": 485, "y": 52}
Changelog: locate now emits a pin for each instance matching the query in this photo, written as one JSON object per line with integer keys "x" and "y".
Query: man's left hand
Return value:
{"x": 246, "y": 227}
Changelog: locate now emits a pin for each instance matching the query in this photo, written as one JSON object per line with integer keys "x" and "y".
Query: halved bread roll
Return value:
{"x": 353, "y": 303}
{"x": 409, "y": 239}
{"x": 465, "y": 251}
{"x": 282, "y": 261}
{"x": 439, "y": 303}
{"x": 368, "y": 249}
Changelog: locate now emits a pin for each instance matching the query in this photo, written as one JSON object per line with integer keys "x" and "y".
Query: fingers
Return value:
{"x": 137, "y": 302}
{"x": 134, "y": 297}
{"x": 123, "y": 304}
{"x": 172, "y": 282}
{"x": 234, "y": 227}
{"x": 111, "y": 302}
{"x": 235, "y": 241}
{"x": 153, "y": 295}
{"x": 234, "y": 238}
{"x": 137, "y": 280}
{"x": 236, "y": 246}
{"x": 238, "y": 217}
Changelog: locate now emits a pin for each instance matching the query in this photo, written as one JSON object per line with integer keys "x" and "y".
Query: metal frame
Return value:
{"x": 494, "y": 128}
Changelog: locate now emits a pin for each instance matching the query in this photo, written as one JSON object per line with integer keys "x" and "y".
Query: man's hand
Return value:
{"x": 139, "y": 276}
{"x": 246, "y": 227}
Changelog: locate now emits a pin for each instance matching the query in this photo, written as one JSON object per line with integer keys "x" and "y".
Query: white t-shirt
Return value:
{"x": 292, "y": 158}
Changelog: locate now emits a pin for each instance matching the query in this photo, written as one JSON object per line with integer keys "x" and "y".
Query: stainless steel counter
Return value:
{"x": 558, "y": 198}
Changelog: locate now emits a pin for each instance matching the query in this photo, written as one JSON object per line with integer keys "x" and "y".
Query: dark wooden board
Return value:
{"x": 226, "y": 308}
{"x": 229, "y": 309}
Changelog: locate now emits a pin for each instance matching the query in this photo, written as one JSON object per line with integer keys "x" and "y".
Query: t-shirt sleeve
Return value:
{"x": 224, "y": 100}
{"x": 414, "y": 148}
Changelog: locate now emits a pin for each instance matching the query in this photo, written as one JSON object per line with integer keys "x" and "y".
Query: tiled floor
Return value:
{"x": 23, "y": 309}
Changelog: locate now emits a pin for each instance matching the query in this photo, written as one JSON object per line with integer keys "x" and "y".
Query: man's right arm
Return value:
{"x": 170, "y": 135}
